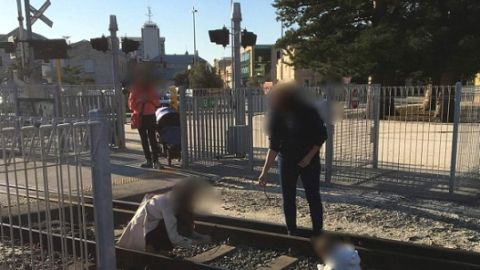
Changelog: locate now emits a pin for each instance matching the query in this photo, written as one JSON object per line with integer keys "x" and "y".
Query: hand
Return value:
{"x": 304, "y": 162}
{"x": 262, "y": 180}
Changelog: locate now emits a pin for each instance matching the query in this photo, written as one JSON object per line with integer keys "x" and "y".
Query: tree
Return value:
{"x": 181, "y": 79}
{"x": 200, "y": 76}
{"x": 392, "y": 40}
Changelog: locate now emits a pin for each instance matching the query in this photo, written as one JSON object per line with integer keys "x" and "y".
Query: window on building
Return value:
{"x": 89, "y": 66}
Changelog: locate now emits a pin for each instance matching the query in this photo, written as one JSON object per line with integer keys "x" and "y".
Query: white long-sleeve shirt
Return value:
{"x": 147, "y": 217}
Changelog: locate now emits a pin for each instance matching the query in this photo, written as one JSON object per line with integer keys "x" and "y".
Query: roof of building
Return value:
{"x": 14, "y": 32}
{"x": 177, "y": 59}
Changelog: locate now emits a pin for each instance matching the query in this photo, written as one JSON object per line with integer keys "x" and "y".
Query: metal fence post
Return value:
{"x": 329, "y": 149}
{"x": 15, "y": 99}
{"x": 376, "y": 89}
{"x": 456, "y": 122}
{"x": 183, "y": 126}
{"x": 102, "y": 191}
{"x": 251, "y": 161}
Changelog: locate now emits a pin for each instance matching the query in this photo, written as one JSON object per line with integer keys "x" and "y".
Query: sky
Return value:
{"x": 84, "y": 19}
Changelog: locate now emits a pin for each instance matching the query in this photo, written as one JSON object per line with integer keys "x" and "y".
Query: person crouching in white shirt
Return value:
{"x": 336, "y": 255}
{"x": 164, "y": 221}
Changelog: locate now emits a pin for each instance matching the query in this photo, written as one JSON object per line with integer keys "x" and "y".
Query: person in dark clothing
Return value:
{"x": 143, "y": 101}
{"x": 296, "y": 133}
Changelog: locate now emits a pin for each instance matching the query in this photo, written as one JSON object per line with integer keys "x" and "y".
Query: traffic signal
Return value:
{"x": 99, "y": 44}
{"x": 220, "y": 36}
{"x": 49, "y": 49}
{"x": 248, "y": 38}
{"x": 9, "y": 47}
{"x": 129, "y": 45}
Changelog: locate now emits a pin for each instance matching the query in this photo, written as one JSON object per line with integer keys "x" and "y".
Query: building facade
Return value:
{"x": 288, "y": 73}
{"x": 95, "y": 66}
{"x": 258, "y": 65}
{"x": 153, "y": 45}
{"x": 223, "y": 67}
{"x": 169, "y": 65}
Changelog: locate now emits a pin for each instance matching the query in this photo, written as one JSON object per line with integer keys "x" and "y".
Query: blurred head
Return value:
{"x": 336, "y": 254}
{"x": 323, "y": 245}
{"x": 142, "y": 75}
{"x": 286, "y": 97}
{"x": 191, "y": 195}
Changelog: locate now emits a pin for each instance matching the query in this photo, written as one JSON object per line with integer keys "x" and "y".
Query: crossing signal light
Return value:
{"x": 9, "y": 47}
{"x": 129, "y": 45}
{"x": 99, "y": 44}
{"x": 248, "y": 39}
{"x": 220, "y": 36}
{"x": 49, "y": 49}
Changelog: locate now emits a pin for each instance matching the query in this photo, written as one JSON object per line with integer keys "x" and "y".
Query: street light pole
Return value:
{"x": 113, "y": 28}
{"x": 194, "y": 36}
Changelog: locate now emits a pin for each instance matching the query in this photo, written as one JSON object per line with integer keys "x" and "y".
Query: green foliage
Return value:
{"x": 181, "y": 79}
{"x": 200, "y": 76}
{"x": 392, "y": 40}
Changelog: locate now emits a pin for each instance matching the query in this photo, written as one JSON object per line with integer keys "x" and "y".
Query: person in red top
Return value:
{"x": 143, "y": 101}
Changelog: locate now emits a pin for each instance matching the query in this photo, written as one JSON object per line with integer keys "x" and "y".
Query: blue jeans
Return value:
{"x": 310, "y": 176}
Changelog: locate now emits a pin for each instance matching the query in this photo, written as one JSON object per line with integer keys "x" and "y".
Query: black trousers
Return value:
{"x": 310, "y": 176}
{"x": 148, "y": 137}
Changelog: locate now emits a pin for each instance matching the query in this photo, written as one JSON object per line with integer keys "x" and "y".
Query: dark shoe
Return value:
{"x": 147, "y": 164}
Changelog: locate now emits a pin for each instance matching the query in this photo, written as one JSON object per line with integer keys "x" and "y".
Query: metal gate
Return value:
{"x": 213, "y": 120}
{"x": 47, "y": 175}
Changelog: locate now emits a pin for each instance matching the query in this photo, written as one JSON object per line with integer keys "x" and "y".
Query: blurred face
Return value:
{"x": 322, "y": 246}
{"x": 195, "y": 197}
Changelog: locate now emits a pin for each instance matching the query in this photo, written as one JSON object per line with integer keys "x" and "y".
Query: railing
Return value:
{"x": 406, "y": 136}
{"x": 46, "y": 171}
{"x": 70, "y": 102}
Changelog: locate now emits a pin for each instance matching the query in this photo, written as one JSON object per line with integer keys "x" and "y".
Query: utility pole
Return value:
{"x": 20, "y": 32}
{"x": 236, "y": 25}
{"x": 28, "y": 23}
{"x": 194, "y": 36}
{"x": 113, "y": 28}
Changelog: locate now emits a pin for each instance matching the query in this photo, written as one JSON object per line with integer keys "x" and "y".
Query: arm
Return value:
{"x": 308, "y": 157}
{"x": 271, "y": 155}
{"x": 154, "y": 98}
{"x": 171, "y": 226}
{"x": 132, "y": 104}
{"x": 273, "y": 150}
{"x": 318, "y": 137}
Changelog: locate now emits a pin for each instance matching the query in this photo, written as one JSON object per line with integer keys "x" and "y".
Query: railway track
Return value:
{"x": 243, "y": 244}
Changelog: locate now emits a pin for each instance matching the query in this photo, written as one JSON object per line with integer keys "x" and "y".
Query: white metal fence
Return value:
{"x": 47, "y": 173}
{"x": 380, "y": 136}
{"x": 70, "y": 102}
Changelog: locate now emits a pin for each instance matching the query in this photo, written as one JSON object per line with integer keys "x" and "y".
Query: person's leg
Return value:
{"x": 310, "y": 176}
{"x": 152, "y": 138}
{"x": 142, "y": 131}
{"x": 157, "y": 240}
{"x": 288, "y": 173}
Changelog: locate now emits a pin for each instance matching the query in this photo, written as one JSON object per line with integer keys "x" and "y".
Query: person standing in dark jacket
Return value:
{"x": 296, "y": 133}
